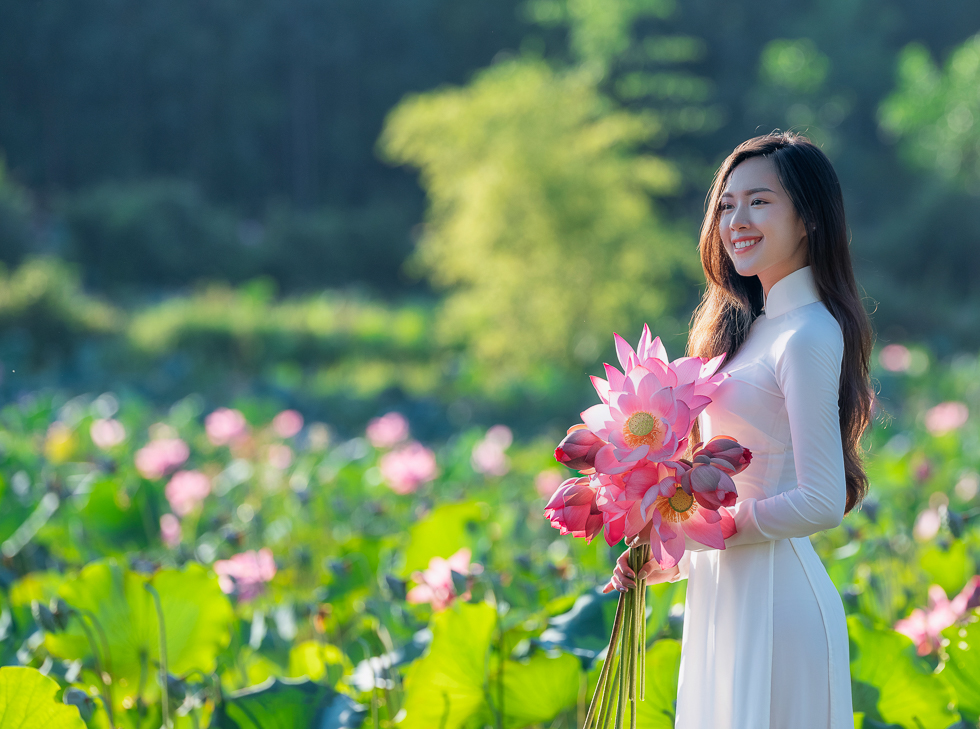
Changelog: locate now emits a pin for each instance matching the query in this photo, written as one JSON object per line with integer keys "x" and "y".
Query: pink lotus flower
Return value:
{"x": 159, "y": 457}
{"x": 280, "y": 456}
{"x": 675, "y": 510}
{"x": 895, "y": 358}
{"x": 620, "y": 507}
{"x": 186, "y": 491}
{"x": 925, "y": 627}
{"x": 647, "y": 412}
{"x": 435, "y": 585}
{"x": 488, "y": 455}
{"x": 578, "y": 449}
{"x": 408, "y": 467}
{"x": 946, "y": 417}
{"x": 107, "y": 433}
{"x": 573, "y": 509}
{"x": 245, "y": 574}
{"x": 927, "y": 524}
{"x": 725, "y": 453}
{"x": 287, "y": 423}
{"x": 547, "y": 482}
{"x": 387, "y": 431}
{"x": 225, "y": 426}
{"x": 170, "y": 531}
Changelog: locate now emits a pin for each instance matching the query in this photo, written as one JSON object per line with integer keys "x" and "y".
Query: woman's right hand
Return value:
{"x": 624, "y": 578}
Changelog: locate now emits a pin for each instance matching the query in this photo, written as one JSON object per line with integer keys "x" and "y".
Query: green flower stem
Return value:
{"x": 100, "y": 670}
{"x": 645, "y": 555}
{"x": 624, "y": 665}
{"x": 600, "y": 688}
{"x": 164, "y": 697}
{"x": 612, "y": 688}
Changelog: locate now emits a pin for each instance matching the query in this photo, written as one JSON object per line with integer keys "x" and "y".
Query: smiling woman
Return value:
{"x": 765, "y": 640}
{"x": 759, "y": 225}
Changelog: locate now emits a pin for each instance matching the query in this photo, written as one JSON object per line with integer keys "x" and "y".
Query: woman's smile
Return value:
{"x": 745, "y": 244}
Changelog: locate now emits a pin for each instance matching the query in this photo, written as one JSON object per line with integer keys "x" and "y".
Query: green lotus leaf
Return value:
{"x": 908, "y": 693}
{"x": 319, "y": 662}
{"x": 197, "y": 618}
{"x": 657, "y": 710}
{"x": 444, "y": 688}
{"x": 442, "y": 533}
{"x": 961, "y": 666}
{"x": 950, "y": 568}
{"x": 27, "y": 699}
{"x": 535, "y": 691}
{"x": 284, "y": 704}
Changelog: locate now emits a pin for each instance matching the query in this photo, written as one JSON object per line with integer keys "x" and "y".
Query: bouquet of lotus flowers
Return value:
{"x": 635, "y": 483}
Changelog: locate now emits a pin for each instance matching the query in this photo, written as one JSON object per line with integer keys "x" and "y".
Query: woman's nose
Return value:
{"x": 739, "y": 219}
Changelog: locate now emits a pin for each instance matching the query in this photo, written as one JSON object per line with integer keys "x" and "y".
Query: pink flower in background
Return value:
{"x": 488, "y": 455}
{"x": 945, "y": 417}
{"x": 573, "y": 508}
{"x": 408, "y": 467}
{"x": 159, "y": 457}
{"x": 895, "y": 358}
{"x": 225, "y": 426}
{"x": 280, "y": 456}
{"x": 435, "y": 585}
{"x": 925, "y": 626}
{"x": 927, "y": 524}
{"x": 170, "y": 531}
{"x": 387, "y": 431}
{"x": 547, "y": 482}
{"x": 246, "y": 573}
{"x": 287, "y": 423}
{"x": 107, "y": 433}
{"x": 186, "y": 491}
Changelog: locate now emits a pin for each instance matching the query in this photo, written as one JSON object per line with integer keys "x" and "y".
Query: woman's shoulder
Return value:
{"x": 807, "y": 331}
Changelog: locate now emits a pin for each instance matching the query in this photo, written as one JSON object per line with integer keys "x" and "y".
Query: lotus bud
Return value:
{"x": 573, "y": 509}
{"x": 579, "y": 448}
{"x": 711, "y": 486}
{"x": 725, "y": 453}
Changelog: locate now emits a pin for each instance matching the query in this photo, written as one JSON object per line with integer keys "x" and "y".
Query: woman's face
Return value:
{"x": 761, "y": 231}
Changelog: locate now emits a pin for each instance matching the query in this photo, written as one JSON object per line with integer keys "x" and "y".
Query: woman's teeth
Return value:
{"x": 745, "y": 244}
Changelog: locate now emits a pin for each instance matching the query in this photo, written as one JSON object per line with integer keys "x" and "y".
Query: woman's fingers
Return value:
{"x": 623, "y": 564}
{"x": 622, "y": 580}
{"x": 649, "y": 568}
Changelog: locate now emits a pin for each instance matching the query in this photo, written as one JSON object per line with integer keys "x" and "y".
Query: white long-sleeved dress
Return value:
{"x": 765, "y": 638}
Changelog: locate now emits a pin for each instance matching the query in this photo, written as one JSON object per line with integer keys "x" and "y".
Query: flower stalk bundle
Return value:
{"x": 634, "y": 485}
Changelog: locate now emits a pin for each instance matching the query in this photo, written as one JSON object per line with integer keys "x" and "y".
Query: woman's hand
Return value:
{"x": 624, "y": 578}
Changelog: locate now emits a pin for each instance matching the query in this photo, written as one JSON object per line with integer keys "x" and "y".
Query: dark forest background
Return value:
{"x": 151, "y": 151}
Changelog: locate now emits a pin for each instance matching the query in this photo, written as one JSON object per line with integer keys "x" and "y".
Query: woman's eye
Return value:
{"x": 758, "y": 200}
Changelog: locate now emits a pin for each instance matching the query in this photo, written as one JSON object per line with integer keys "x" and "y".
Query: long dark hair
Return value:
{"x": 732, "y": 302}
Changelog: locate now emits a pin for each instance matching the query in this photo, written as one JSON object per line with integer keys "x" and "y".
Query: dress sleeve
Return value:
{"x": 808, "y": 372}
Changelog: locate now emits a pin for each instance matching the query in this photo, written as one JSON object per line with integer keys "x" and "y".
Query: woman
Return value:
{"x": 765, "y": 637}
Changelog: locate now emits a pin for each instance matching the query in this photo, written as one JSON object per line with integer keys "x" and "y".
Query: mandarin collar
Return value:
{"x": 791, "y": 291}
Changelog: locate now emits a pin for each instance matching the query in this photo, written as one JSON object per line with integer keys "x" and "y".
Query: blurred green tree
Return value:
{"x": 542, "y": 214}
{"x": 934, "y": 112}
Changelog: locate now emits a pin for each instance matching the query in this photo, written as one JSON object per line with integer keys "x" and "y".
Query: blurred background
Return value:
{"x": 245, "y": 231}
{"x": 432, "y": 203}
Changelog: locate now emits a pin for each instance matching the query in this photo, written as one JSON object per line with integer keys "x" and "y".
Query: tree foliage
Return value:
{"x": 540, "y": 213}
